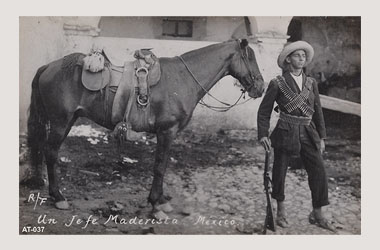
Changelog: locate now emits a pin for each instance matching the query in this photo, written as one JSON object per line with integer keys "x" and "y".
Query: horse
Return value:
{"x": 58, "y": 98}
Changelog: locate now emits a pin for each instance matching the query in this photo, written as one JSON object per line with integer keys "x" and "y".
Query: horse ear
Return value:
{"x": 243, "y": 43}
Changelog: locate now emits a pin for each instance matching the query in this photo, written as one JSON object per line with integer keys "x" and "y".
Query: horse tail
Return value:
{"x": 37, "y": 121}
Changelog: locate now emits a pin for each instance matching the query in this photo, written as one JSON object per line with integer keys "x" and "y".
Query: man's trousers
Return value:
{"x": 313, "y": 163}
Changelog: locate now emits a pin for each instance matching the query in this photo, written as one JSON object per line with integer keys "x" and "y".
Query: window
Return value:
{"x": 177, "y": 28}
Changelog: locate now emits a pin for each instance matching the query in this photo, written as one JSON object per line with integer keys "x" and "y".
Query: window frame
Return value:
{"x": 176, "y": 28}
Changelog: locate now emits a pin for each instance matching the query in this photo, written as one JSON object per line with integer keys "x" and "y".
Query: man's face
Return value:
{"x": 297, "y": 59}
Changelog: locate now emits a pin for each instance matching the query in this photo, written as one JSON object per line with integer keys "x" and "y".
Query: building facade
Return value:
{"x": 336, "y": 41}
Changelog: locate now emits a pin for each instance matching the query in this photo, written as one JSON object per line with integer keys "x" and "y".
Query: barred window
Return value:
{"x": 177, "y": 28}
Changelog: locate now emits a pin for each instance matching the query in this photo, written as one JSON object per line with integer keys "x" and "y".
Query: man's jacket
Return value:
{"x": 285, "y": 136}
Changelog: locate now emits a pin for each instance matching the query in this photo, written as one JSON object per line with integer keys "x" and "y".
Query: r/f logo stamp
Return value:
{"x": 36, "y": 199}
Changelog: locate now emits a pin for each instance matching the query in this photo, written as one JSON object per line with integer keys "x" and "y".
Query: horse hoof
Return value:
{"x": 160, "y": 215}
{"x": 187, "y": 211}
{"x": 166, "y": 207}
{"x": 63, "y": 205}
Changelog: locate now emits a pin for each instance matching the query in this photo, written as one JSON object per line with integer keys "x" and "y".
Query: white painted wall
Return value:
{"x": 40, "y": 40}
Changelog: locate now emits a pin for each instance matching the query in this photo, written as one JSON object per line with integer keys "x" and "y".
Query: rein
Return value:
{"x": 214, "y": 108}
{"x": 225, "y": 109}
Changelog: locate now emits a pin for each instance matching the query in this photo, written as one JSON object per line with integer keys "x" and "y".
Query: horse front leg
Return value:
{"x": 156, "y": 196}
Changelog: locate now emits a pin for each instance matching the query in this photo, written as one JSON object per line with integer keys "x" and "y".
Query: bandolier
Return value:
{"x": 296, "y": 100}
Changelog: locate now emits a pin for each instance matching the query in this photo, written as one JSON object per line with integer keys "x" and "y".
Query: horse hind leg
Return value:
{"x": 36, "y": 179}
{"x": 57, "y": 134}
{"x": 36, "y": 135}
{"x": 36, "y": 139}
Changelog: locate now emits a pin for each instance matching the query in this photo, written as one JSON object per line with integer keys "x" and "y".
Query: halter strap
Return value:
{"x": 196, "y": 80}
{"x": 228, "y": 106}
{"x": 244, "y": 55}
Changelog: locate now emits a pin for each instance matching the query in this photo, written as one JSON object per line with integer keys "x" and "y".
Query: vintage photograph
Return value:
{"x": 190, "y": 125}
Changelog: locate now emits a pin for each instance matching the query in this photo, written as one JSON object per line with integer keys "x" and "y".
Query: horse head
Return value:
{"x": 245, "y": 69}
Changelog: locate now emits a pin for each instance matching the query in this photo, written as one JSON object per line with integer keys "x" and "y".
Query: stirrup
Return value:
{"x": 142, "y": 100}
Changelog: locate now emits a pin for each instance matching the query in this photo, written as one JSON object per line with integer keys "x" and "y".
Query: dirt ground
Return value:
{"x": 214, "y": 181}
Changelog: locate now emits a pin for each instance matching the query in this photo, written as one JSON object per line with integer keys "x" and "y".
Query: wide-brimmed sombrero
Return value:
{"x": 291, "y": 47}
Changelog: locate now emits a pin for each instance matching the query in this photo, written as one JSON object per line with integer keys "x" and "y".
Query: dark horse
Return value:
{"x": 59, "y": 98}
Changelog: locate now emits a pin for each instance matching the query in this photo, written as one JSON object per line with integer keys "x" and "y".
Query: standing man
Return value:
{"x": 300, "y": 129}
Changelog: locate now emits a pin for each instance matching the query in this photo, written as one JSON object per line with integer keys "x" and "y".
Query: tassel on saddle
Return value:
{"x": 123, "y": 132}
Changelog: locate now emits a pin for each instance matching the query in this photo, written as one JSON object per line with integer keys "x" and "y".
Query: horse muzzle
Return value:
{"x": 257, "y": 89}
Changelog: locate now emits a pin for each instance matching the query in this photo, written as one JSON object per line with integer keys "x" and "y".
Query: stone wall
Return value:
{"x": 337, "y": 60}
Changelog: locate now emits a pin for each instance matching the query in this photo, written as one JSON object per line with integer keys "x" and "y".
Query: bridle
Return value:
{"x": 252, "y": 75}
{"x": 243, "y": 90}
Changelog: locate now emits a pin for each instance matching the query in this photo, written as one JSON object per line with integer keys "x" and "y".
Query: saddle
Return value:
{"x": 131, "y": 84}
{"x": 98, "y": 67}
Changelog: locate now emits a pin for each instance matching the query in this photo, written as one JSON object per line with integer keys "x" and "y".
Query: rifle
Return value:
{"x": 269, "y": 219}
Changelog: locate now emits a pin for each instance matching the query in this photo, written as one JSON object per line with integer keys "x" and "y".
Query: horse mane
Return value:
{"x": 70, "y": 62}
{"x": 207, "y": 48}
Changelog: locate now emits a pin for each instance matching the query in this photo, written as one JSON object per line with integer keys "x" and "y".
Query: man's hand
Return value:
{"x": 266, "y": 143}
{"x": 323, "y": 146}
